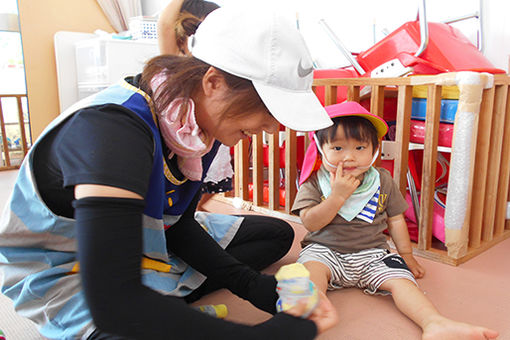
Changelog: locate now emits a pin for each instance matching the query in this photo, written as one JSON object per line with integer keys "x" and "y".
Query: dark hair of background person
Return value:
{"x": 198, "y": 8}
{"x": 191, "y": 15}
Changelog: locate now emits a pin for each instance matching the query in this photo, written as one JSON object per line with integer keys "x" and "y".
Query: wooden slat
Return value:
{"x": 429, "y": 167}
{"x": 366, "y": 81}
{"x": 22, "y": 126}
{"x": 330, "y": 95}
{"x": 353, "y": 93}
{"x": 4, "y": 137}
{"x": 274, "y": 172}
{"x": 306, "y": 143}
{"x": 377, "y": 100}
{"x": 376, "y": 107}
{"x": 241, "y": 163}
{"x": 441, "y": 256}
{"x": 499, "y": 79}
{"x": 504, "y": 176}
{"x": 494, "y": 162}
{"x": 405, "y": 100}
{"x": 6, "y": 162}
{"x": 290, "y": 168}
{"x": 481, "y": 159}
{"x": 237, "y": 161}
{"x": 258, "y": 169}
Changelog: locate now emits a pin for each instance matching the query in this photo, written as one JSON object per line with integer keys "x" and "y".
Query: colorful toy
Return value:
{"x": 219, "y": 311}
{"x": 293, "y": 285}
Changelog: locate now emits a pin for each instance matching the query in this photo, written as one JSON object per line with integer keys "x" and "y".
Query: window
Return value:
{"x": 12, "y": 88}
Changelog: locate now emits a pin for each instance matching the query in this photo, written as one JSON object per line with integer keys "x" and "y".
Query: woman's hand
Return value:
{"x": 167, "y": 40}
{"x": 324, "y": 315}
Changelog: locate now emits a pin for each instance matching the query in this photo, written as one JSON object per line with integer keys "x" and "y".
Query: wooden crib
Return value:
{"x": 484, "y": 223}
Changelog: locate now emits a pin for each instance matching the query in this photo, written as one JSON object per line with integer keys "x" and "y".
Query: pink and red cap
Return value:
{"x": 311, "y": 160}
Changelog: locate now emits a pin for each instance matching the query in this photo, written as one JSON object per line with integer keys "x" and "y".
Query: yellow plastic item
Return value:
{"x": 147, "y": 263}
{"x": 220, "y": 311}
{"x": 292, "y": 271}
{"x": 447, "y": 92}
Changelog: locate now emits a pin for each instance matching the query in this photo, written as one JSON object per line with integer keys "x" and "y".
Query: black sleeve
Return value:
{"x": 110, "y": 248}
{"x": 107, "y": 145}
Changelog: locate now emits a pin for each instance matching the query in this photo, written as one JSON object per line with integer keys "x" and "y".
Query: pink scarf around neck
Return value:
{"x": 181, "y": 133}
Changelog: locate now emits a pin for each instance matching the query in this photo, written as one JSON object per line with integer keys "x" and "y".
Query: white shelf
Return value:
{"x": 417, "y": 146}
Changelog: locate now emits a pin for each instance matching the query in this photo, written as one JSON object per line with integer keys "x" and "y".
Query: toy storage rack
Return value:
{"x": 488, "y": 194}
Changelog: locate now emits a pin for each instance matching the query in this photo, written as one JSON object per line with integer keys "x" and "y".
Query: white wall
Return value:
{"x": 497, "y": 22}
{"x": 360, "y": 23}
{"x": 151, "y": 7}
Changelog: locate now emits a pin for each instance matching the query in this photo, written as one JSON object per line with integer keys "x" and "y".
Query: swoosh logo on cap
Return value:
{"x": 303, "y": 72}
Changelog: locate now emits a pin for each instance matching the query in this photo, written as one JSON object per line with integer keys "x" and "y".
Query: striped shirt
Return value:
{"x": 368, "y": 212}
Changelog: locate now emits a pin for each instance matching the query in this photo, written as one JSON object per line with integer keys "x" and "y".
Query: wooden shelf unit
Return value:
{"x": 489, "y": 190}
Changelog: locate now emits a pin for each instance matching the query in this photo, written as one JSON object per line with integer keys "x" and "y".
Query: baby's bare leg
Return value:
{"x": 319, "y": 274}
{"x": 410, "y": 300}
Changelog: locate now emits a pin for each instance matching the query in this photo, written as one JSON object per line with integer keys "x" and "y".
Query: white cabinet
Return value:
{"x": 87, "y": 63}
{"x": 103, "y": 61}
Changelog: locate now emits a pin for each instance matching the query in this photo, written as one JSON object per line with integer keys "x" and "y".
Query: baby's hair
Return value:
{"x": 355, "y": 127}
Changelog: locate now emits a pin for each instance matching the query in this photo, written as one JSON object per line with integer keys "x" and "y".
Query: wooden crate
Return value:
{"x": 487, "y": 195}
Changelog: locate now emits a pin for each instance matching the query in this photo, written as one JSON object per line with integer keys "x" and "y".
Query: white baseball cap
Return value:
{"x": 264, "y": 46}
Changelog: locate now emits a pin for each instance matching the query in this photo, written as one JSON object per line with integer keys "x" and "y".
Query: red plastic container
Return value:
{"x": 448, "y": 50}
{"x": 417, "y": 133}
{"x": 300, "y": 154}
{"x": 265, "y": 193}
{"x": 334, "y": 73}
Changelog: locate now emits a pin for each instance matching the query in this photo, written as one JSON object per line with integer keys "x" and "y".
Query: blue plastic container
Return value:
{"x": 448, "y": 109}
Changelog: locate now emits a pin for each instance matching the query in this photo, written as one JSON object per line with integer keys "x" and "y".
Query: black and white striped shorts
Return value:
{"x": 367, "y": 269}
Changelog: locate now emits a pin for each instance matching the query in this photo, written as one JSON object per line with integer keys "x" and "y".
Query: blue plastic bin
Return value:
{"x": 448, "y": 109}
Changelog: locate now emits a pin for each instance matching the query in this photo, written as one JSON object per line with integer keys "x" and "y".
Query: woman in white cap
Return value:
{"x": 100, "y": 240}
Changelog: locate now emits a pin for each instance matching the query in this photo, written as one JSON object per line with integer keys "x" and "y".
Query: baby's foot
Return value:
{"x": 446, "y": 329}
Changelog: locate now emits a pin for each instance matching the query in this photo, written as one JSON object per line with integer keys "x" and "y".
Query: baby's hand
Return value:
{"x": 416, "y": 268}
{"x": 341, "y": 185}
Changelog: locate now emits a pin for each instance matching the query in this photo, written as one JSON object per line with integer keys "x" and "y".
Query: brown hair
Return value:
{"x": 191, "y": 15}
{"x": 185, "y": 26}
{"x": 184, "y": 76}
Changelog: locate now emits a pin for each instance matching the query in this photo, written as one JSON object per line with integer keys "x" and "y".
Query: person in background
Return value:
{"x": 177, "y": 22}
{"x": 100, "y": 239}
{"x": 346, "y": 204}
